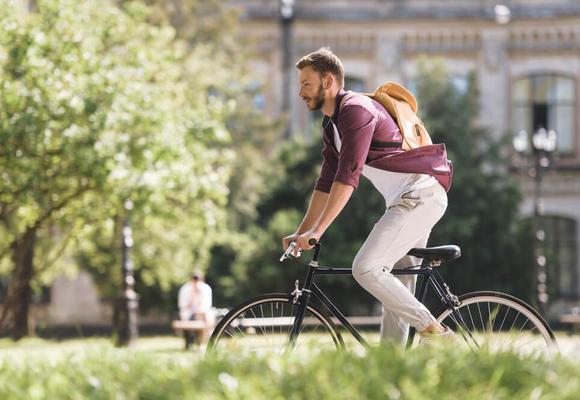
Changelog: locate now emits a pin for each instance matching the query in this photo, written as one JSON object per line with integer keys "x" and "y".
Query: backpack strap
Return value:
{"x": 375, "y": 144}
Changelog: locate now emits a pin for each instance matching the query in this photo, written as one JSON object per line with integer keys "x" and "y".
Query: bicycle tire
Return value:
{"x": 236, "y": 327}
{"x": 483, "y": 331}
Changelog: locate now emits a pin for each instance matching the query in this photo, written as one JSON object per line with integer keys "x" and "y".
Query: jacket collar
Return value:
{"x": 339, "y": 96}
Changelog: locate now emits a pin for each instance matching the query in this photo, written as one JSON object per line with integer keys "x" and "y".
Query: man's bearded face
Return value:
{"x": 315, "y": 102}
{"x": 311, "y": 89}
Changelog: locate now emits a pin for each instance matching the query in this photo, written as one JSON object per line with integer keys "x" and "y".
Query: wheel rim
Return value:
{"x": 498, "y": 324}
{"x": 263, "y": 326}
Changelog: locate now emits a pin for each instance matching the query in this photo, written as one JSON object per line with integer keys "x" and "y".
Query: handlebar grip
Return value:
{"x": 312, "y": 241}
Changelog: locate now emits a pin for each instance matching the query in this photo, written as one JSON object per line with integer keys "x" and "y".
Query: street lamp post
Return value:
{"x": 127, "y": 303}
{"x": 543, "y": 145}
{"x": 286, "y": 20}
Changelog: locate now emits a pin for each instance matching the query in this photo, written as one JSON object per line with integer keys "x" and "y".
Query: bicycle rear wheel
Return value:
{"x": 263, "y": 324}
{"x": 498, "y": 322}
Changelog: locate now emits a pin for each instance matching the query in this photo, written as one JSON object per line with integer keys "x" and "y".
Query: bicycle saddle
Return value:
{"x": 449, "y": 252}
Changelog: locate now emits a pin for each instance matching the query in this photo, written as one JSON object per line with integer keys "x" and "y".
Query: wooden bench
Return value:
{"x": 570, "y": 319}
{"x": 190, "y": 327}
{"x": 194, "y": 326}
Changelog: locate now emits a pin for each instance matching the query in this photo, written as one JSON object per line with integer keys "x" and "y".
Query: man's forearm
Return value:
{"x": 317, "y": 204}
{"x": 336, "y": 200}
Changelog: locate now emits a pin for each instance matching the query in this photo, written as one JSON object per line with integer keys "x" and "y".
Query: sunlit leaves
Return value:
{"x": 96, "y": 108}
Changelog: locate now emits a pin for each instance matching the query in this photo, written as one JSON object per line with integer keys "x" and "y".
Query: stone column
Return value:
{"x": 388, "y": 63}
{"x": 493, "y": 76}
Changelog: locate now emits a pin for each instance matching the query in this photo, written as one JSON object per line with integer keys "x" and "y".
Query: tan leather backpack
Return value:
{"x": 402, "y": 106}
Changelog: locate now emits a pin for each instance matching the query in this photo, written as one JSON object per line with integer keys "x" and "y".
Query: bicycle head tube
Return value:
{"x": 314, "y": 261}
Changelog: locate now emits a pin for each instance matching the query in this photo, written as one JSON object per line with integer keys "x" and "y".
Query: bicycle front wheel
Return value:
{"x": 263, "y": 324}
{"x": 498, "y": 322}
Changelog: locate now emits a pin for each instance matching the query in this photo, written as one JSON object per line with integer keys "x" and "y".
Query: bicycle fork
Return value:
{"x": 302, "y": 298}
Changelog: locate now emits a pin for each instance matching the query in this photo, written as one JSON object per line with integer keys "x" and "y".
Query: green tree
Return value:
{"x": 210, "y": 31}
{"x": 97, "y": 109}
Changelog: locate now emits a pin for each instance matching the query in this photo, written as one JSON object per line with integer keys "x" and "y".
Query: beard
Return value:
{"x": 318, "y": 100}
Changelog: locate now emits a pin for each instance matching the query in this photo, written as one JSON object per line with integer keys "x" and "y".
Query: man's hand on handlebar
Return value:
{"x": 294, "y": 244}
{"x": 307, "y": 240}
{"x": 292, "y": 247}
{"x": 289, "y": 253}
{"x": 289, "y": 239}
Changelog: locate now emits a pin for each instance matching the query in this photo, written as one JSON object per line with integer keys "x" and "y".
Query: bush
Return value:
{"x": 379, "y": 373}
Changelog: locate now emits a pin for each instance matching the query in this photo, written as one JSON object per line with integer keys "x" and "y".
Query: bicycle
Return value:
{"x": 282, "y": 321}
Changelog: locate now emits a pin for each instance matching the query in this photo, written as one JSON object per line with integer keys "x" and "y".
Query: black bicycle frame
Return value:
{"x": 430, "y": 277}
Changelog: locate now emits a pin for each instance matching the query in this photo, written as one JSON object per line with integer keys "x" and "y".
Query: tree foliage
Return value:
{"x": 98, "y": 107}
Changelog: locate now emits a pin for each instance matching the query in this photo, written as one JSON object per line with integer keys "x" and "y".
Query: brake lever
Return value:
{"x": 288, "y": 253}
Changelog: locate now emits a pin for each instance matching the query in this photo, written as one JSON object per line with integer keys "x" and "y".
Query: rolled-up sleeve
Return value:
{"x": 356, "y": 125}
{"x": 329, "y": 167}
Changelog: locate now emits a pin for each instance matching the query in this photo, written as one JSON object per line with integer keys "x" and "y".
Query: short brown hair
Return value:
{"x": 323, "y": 61}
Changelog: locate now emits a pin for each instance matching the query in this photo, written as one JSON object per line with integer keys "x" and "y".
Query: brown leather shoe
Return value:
{"x": 446, "y": 336}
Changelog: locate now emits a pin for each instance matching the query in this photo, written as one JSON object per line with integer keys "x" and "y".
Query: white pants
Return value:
{"x": 406, "y": 224}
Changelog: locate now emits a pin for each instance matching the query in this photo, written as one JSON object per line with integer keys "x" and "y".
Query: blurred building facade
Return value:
{"x": 526, "y": 56}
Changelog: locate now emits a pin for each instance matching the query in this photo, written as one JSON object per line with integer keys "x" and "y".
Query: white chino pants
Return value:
{"x": 406, "y": 224}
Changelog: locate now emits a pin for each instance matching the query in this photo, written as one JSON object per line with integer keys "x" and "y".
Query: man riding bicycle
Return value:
{"x": 361, "y": 137}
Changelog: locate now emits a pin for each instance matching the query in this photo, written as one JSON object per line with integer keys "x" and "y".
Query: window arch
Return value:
{"x": 546, "y": 101}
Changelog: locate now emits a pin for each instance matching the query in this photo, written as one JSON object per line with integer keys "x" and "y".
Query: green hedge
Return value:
{"x": 382, "y": 373}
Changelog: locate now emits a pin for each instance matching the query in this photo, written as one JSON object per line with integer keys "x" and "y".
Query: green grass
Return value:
{"x": 159, "y": 369}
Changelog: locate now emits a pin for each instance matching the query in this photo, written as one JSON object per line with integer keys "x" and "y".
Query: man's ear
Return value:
{"x": 327, "y": 81}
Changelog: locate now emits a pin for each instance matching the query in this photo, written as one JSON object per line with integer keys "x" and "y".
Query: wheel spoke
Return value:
{"x": 500, "y": 328}
{"x": 504, "y": 317}
{"x": 281, "y": 318}
{"x": 273, "y": 318}
{"x": 256, "y": 318}
{"x": 464, "y": 329}
{"x": 515, "y": 340}
{"x": 481, "y": 319}
{"x": 465, "y": 332}
{"x": 493, "y": 312}
{"x": 471, "y": 317}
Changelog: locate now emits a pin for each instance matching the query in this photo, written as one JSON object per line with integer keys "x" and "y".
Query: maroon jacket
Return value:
{"x": 370, "y": 136}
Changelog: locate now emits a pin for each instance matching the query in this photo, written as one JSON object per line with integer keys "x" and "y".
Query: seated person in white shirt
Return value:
{"x": 195, "y": 303}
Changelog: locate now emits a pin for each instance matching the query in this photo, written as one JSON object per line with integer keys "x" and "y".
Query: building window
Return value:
{"x": 354, "y": 84}
{"x": 561, "y": 255}
{"x": 546, "y": 101}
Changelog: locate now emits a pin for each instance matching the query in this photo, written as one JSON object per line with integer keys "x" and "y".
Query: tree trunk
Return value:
{"x": 21, "y": 290}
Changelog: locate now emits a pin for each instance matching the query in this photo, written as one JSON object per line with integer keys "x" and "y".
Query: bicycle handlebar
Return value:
{"x": 292, "y": 246}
